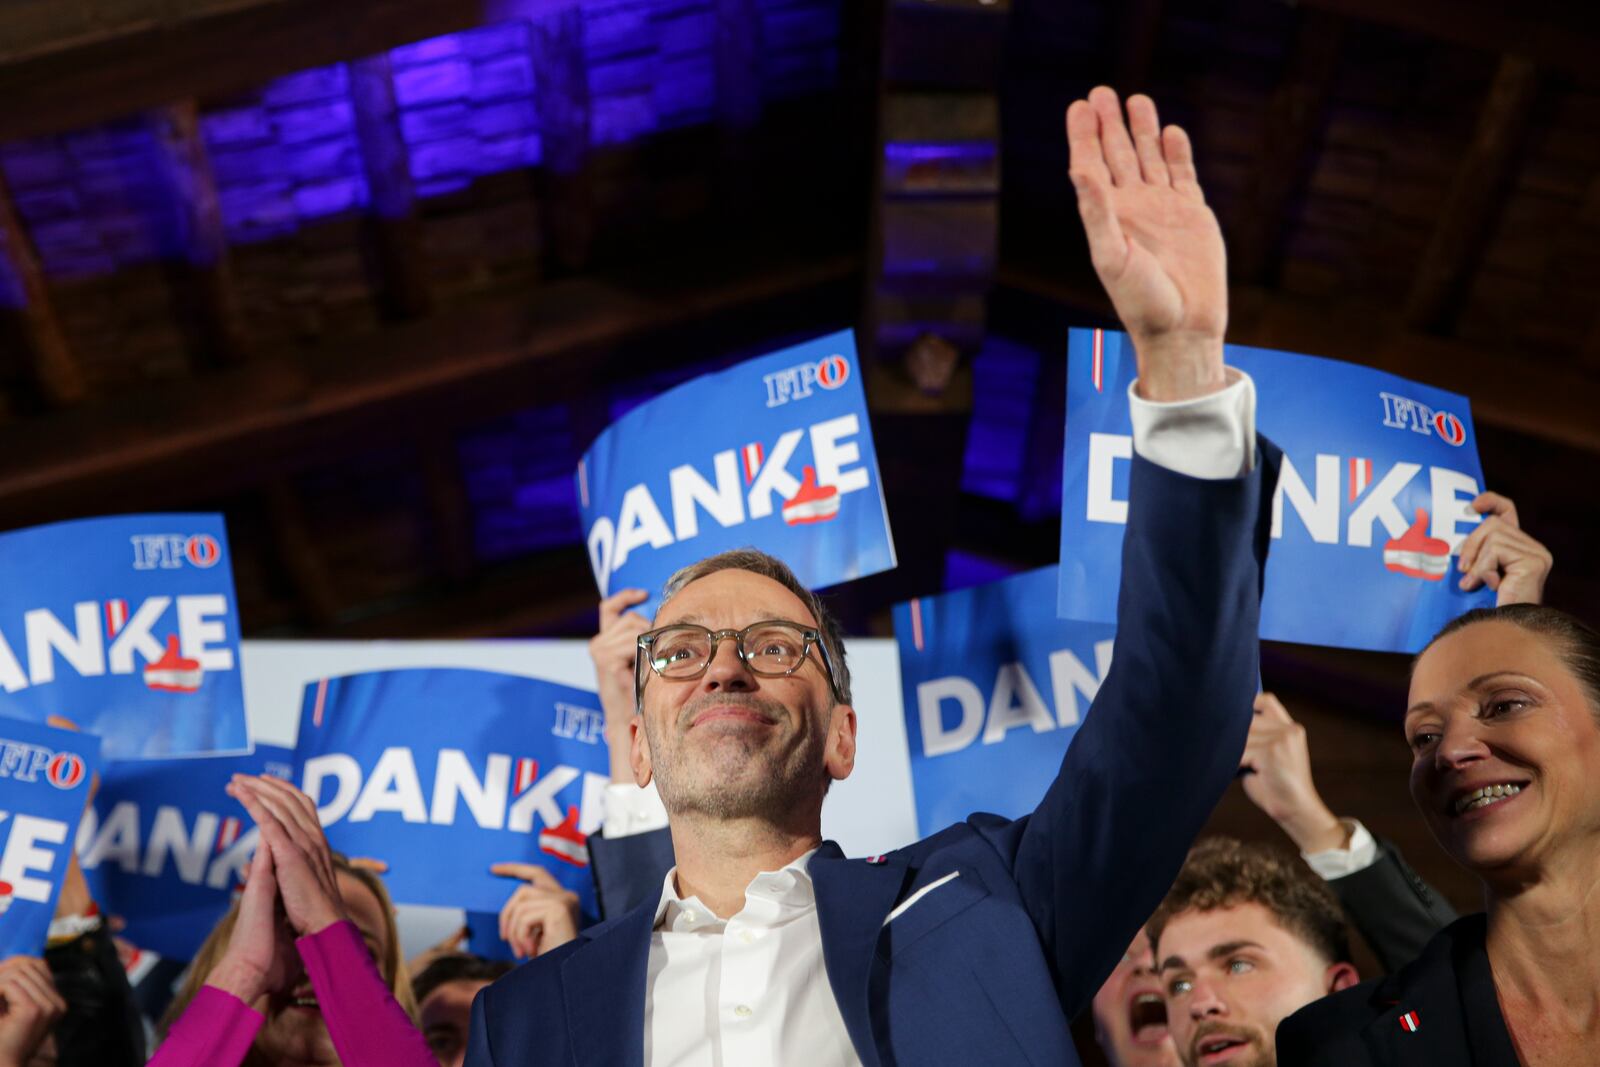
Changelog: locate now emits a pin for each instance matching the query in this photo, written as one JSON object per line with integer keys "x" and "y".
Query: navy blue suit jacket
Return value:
{"x": 990, "y": 966}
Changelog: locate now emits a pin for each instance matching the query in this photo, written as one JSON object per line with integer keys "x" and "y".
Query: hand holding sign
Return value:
{"x": 1155, "y": 244}
{"x": 1502, "y": 556}
{"x": 540, "y": 915}
{"x": 30, "y": 1007}
{"x": 301, "y": 860}
{"x": 612, "y": 650}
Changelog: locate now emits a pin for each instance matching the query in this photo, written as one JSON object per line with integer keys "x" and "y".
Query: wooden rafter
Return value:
{"x": 1290, "y": 139}
{"x": 556, "y": 42}
{"x": 229, "y": 430}
{"x": 55, "y": 368}
{"x": 1467, "y": 215}
{"x": 449, "y": 512}
{"x": 1554, "y": 34}
{"x": 1138, "y": 30}
{"x": 393, "y": 236}
{"x": 195, "y": 240}
{"x": 313, "y": 581}
{"x": 66, "y": 65}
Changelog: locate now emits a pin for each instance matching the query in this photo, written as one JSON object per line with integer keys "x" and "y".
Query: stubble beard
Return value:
{"x": 736, "y": 776}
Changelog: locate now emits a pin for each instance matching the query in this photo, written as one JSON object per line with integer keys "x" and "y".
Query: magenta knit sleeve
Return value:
{"x": 368, "y": 1026}
{"x": 214, "y": 1031}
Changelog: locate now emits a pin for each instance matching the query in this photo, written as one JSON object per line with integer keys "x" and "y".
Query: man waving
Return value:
{"x": 764, "y": 944}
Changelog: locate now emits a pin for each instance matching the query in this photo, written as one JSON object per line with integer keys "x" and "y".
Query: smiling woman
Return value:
{"x": 1504, "y": 730}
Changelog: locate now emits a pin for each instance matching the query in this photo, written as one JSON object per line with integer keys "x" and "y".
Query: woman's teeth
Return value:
{"x": 1489, "y": 794}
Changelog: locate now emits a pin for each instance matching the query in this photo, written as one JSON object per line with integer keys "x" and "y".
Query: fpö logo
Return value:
{"x": 28, "y": 763}
{"x": 169, "y": 551}
{"x": 797, "y": 382}
{"x": 1403, "y": 413}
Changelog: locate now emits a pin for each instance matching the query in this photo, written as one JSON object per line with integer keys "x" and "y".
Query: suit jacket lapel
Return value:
{"x": 853, "y": 899}
{"x": 1427, "y": 991}
{"x": 603, "y": 984}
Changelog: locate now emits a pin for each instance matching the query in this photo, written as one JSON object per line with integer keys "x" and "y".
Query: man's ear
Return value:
{"x": 840, "y": 757}
{"x": 639, "y": 751}
{"x": 1340, "y": 976}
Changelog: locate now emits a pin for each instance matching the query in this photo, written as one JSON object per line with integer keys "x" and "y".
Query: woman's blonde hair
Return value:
{"x": 392, "y": 966}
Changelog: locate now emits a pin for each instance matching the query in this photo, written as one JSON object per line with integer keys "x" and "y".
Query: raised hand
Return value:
{"x": 1277, "y": 779}
{"x": 1155, "y": 244}
{"x": 1501, "y": 555}
{"x": 612, "y": 650}
{"x": 260, "y": 958}
{"x": 301, "y": 859}
{"x": 540, "y": 915}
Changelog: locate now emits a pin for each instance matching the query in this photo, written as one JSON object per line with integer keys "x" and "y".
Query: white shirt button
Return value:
{"x": 747, "y": 937}
{"x": 690, "y": 916}
{"x": 742, "y": 1011}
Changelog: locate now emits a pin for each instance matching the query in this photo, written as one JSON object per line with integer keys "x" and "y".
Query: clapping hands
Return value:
{"x": 291, "y": 891}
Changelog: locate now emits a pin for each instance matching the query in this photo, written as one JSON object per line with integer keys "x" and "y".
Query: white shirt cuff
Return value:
{"x": 1358, "y": 855}
{"x": 631, "y": 810}
{"x": 1211, "y": 436}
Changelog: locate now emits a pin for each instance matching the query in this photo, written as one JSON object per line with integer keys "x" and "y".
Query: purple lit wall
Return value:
{"x": 286, "y": 154}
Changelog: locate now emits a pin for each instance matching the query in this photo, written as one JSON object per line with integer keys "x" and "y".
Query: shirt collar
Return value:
{"x": 778, "y": 893}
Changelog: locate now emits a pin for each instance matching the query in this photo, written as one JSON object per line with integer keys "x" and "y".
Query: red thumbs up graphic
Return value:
{"x": 1416, "y": 554}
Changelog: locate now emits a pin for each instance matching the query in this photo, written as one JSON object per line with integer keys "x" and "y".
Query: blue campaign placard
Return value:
{"x": 163, "y": 847}
{"x": 775, "y": 452}
{"x": 126, "y": 626}
{"x": 44, "y": 784}
{"x": 995, "y": 686}
{"x": 1370, "y": 510}
{"x": 440, "y": 773}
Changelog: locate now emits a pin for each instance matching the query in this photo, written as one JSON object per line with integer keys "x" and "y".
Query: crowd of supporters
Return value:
{"x": 710, "y": 857}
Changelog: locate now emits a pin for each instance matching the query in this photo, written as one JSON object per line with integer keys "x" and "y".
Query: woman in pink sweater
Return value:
{"x": 296, "y": 984}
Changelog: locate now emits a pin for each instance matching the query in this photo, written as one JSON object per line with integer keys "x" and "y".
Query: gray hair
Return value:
{"x": 758, "y": 562}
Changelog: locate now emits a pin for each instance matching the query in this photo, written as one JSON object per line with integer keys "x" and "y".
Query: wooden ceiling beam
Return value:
{"x": 1476, "y": 197}
{"x": 1555, "y": 404}
{"x": 196, "y": 241}
{"x": 67, "y": 65}
{"x": 237, "y": 427}
{"x": 313, "y": 582}
{"x": 393, "y": 231}
{"x": 1138, "y": 30}
{"x": 1554, "y": 34}
{"x": 1292, "y": 135}
{"x": 567, "y": 216}
{"x": 55, "y": 368}
{"x": 449, "y": 510}
{"x": 546, "y": 594}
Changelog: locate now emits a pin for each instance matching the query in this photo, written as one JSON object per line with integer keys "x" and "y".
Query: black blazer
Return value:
{"x": 1395, "y": 910}
{"x": 1439, "y": 1009}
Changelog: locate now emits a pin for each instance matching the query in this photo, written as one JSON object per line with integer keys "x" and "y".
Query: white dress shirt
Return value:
{"x": 752, "y": 989}
{"x": 1359, "y": 853}
{"x": 748, "y": 990}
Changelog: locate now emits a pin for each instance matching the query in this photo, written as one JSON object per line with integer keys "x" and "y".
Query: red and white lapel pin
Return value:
{"x": 1410, "y": 1023}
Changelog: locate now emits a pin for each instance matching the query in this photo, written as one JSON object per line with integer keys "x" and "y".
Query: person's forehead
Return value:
{"x": 1193, "y": 934}
{"x": 1455, "y": 660}
{"x": 452, "y": 997}
{"x": 733, "y": 598}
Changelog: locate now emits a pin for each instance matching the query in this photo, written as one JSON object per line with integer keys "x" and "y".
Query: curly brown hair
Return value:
{"x": 1222, "y": 872}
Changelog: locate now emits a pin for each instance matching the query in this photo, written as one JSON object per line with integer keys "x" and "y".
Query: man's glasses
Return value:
{"x": 682, "y": 651}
